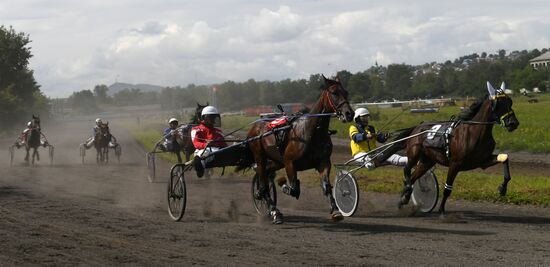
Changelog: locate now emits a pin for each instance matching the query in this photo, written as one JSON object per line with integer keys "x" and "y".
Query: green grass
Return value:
{"x": 472, "y": 186}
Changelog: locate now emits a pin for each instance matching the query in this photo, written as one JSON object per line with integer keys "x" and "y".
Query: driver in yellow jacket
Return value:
{"x": 363, "y": 138}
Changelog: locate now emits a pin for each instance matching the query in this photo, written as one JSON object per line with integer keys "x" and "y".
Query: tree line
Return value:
{"x": 464, "y": 76}
{"x": 20, "y": 95}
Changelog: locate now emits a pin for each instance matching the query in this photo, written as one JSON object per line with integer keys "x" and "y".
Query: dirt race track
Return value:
{"x": 74, "y": 214}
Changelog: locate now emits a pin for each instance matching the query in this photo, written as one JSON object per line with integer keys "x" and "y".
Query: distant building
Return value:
{"x": 542, "y": 61}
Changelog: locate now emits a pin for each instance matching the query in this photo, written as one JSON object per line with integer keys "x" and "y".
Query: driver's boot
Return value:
{"x": 197, "y": 164}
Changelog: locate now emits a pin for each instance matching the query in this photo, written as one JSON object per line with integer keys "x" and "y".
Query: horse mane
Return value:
{"x": 470, "y": 112}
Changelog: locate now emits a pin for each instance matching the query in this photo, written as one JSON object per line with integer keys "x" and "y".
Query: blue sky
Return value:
{"x": 77, "y": 44}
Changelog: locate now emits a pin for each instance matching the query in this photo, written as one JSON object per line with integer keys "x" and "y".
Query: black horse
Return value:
{"x": 33, "y": 139}
{"x": 306, "y": 145}
{"x": 101, "y": 143}
{"x": 470, "y": 143}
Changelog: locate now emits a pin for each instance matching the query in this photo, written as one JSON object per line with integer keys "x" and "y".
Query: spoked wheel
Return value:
{"x": 346, "y": 193}
{"x": 82, "y": 152}
{"x": 150, "y": 159}
{"x": 118, "y": 152}
{"x": 426, "y": 192}
{"x": 261, "y": 204}
{"x": 177, "y": 195}
{"x": 50, "y": 152}
{"x": 12, "y": 154}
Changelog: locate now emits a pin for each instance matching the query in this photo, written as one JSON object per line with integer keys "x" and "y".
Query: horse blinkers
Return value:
{"x": 501, "y": 105}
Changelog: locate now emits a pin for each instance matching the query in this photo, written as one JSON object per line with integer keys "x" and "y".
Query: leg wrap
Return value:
{"x": 447, "y": 191}
{"x": 397, "y": 160}
{"x": 327, "y": 188}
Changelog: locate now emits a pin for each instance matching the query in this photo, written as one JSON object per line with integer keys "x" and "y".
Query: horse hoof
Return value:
{"x": 280, "y": 181}
{"x": 337, "y": 216}
{"x": 502, "y": 190}
{"x": 277, "y": 217}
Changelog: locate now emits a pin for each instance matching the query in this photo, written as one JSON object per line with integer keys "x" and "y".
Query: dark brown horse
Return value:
{"x": 33, "y": 140}
{"x": 305, "y": 145}
{"x": 470, "y": 144}
{"x": 101, "y": 143}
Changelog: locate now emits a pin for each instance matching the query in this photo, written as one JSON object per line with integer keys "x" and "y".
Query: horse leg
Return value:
{"x": 413, "y": 158}
{"x": 187, "y": 154}
{"x": 501, "y": 158}
{"x": 27, "y": 154}
{"x": 263, "y": 190}
{"x": 178, "y": 155}
{"x": 504, "y": 186}
{"x": 294, "y": 188}
{"x": 324, "y": 171}
{"x": 421, "y": 168}
{"x": 451, "y": 175}
{"x": 37, "y": 154}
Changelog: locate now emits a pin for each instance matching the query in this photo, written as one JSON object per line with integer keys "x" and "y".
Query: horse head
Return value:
{"x": 198, "y": 110}
{"x": 335, "y": 99}
{"x": 104, "y": 129}
{"x": 35, "y": 121}
{"x": 501, "y": 105}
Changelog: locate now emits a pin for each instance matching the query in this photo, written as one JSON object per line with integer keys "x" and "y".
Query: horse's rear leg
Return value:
{"x": 451, "y": 175}
{"x": 261, "y": 170}
{"x": 413, "y": 157}
{"x": 27, "y": 155}
{"x": 421, "y": 168}
{"x": 324, "y": 172}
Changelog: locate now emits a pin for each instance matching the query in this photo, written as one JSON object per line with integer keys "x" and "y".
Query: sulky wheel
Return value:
{"x": 177, "y": 195}
{"x": 50, "y": 153}
{"x": 425, "y": 192}
{"x": 260, "y": 203}
{"x": 150, "y": 159}
{"x": 12, "y": 154}
{"x": 82, "y": 152}
{"x": 118, "y": 152}
{"x": 346, "y": 193}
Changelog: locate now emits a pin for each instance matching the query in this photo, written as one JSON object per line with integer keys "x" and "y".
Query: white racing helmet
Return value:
{"x": 360, "y": 112}
{"x": 209, "y": 110}
{"x": 29, "y": 124}
{"x": 172, "y": 120}
{"x": 98, "y": 121}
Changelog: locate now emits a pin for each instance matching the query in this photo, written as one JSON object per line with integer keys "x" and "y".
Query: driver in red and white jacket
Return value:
{"x": 203, "y": 137}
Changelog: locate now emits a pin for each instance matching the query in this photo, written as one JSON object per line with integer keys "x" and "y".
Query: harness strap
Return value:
{"x": 505, "y": 115}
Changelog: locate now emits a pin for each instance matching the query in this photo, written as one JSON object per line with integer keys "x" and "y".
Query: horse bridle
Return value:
{"x": 493, "y": 106}
{"x": 330, "y": 102}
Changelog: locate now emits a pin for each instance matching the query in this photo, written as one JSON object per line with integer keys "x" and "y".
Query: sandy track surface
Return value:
{"x": 69, "y": 214}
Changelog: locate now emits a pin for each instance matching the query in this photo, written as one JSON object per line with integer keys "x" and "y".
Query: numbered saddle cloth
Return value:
{"x": 439, "y": 134}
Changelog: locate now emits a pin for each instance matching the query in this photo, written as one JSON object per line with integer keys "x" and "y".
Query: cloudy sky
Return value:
{"x": 78, "y": 44}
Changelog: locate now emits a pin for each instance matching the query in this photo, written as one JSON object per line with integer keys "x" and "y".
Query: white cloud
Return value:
{"x": 169, "y": 42}
{"x": 276, "y": 26}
